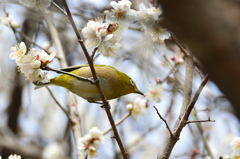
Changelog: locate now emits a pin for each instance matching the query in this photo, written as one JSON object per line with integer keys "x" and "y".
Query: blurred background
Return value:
{"x": 33, "y": 126}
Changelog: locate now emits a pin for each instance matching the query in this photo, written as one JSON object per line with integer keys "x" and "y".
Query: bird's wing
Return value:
{"x": 71, "y": 68}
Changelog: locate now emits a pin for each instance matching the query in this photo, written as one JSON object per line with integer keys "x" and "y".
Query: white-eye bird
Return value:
{"x": 113, "y": 82}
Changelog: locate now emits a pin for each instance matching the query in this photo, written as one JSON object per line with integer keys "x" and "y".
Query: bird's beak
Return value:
{"x": 139, "y": 92}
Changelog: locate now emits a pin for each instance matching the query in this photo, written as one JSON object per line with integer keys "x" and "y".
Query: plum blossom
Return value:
{"x": 121, "y": 14}
{"x": 52, "y": 151}
{"x": 155, "y": 92}
{"x": 148, "y": 19}
{"x": 235, "y": 146}
{"x": 138, "y": 107}
{"x": 29, "y": 63}
{"x": 91, "y": 141}
{"x": 14, "y": 156}
{"x": 103, "y": 36}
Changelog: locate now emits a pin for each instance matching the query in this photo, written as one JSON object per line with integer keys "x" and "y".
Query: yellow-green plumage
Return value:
{"x": 113, "y": 82}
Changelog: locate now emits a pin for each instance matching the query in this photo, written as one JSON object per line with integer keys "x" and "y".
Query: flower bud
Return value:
{"x": 180, "y": 61}
{"x": 14, "y": 24}
{"x": 158, "y": 80}
{"x": 129, "y": 107}
{"x": 170, "y": 79}
{"x": 173, "y": 58}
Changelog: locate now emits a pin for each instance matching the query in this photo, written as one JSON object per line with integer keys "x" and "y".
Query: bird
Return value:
{"x": 114, "y": 83}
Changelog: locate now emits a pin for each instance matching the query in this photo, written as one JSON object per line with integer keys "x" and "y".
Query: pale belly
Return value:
{"x": 89, "y": 91}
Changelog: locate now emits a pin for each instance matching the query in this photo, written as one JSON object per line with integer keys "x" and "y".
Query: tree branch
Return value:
{"x": 163, "y": 121}
{"x": 90, "y": 62}
{"x": 72, "y": 102}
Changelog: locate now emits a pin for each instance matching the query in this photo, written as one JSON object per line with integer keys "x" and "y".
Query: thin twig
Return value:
{"x": 118, "y": 122}
{"x": 93, "y": 53}
{"x": 200, "y": 121}
{"x": 199, "y": 72}
{"x": 90, "y": 62}
{"x": 180, "y": 46}
{"x": 67, "y": 73}
{"x": 29, "y": 39}
{"x": 166, "y": 77}
{"x": 204, "y": 139}
{"x": 55, "y": 4}
{"x": 57, "y": 102}
{"x": 163, "y": 121}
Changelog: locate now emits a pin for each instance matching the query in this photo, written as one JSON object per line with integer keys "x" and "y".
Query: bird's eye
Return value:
{"x": 132, "y": 83}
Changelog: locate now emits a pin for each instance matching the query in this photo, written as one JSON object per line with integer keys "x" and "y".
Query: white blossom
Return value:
{"x": 155, "y": 92}
{"x": 148, "y": 15}
{"x": 14, "y": 156}
{"x": 92, "y": 152}
{"x": 29, "y": 63}
{"x": 52, "y": 151}
{"x": 103, "y": 36}
{"x": 91, "y": 141}
{"x": 91, "y": 33}
{"x": 139, "y": 107}
{"x": 45, "y": 58}
{"x": 235, "y": 146}
{"x": 35, "y": 3}
{"x": 226, "y": 157}
{"x": 148, "y": 19}
{"x": 18, "y": 51}
{"x": 121, "y": 13}
{"x": 95, "y": 132}
{"x": 5, "y": 20}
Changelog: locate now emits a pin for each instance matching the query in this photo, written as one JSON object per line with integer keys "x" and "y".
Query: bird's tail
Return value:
{"x": 40, "y": 84}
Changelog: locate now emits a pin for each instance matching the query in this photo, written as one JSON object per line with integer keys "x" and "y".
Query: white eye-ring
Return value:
{"x": 132, "y": 83}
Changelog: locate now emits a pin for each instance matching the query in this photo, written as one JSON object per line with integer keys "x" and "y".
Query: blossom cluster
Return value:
{"x": 30, "y": 62}
{"x": 138, "y": 107}
{"x": 235, "y": 146}
{"x": 91, "y": 142}
{"x": 9, "y": 22}
{"x": 14, "y": 156}
{"x": 105, "y": 33}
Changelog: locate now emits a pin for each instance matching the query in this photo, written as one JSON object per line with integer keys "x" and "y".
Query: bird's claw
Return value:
{"x": 106, "y": 108}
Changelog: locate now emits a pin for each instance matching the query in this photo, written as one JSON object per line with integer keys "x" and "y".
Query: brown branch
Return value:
{"x": 182, "y": 122}
{"x": 55, "y": 4}
{"x": 186, "y": 100}
{"x": 199, "y": 72}
{"x": 180, "y": 46}
{"x": 72, "y": 102}
{"x": 164, "y": 121}
{"x": 200, "y": 121}
{"x": 60, "y": 106}
{"x": 93, "y": 53}
{"x": 90, "y": 62}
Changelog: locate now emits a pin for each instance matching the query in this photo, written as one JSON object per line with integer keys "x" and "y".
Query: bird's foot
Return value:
{"x": 106, "y": 108}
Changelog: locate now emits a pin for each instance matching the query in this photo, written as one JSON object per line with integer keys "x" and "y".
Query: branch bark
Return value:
{"x": 72, "y": 101}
